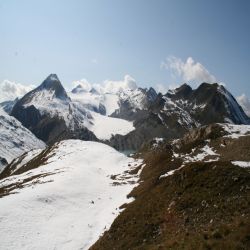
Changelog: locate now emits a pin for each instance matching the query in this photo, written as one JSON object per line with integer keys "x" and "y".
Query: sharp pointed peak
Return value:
{"x": 53, "y": 77}
{"x": 53, "y": 83}
{"x": 184, "y": 86}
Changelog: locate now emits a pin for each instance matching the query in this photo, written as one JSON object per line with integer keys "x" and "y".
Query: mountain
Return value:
{"x": 46, "y": 106}
{"x": 132, "y": 103}
{"x": 124, "y": 118}
{"x": 15, "y": 139}
{"x": 208, "y": 103}
{"x": 52, "y": 115}
{"x": 64, "y": 197}
{"x": 49, "y": 113}
{"x": 179, "y": 110}
{"x": 193, "y": 194}
{"x": 91, "y": 99}
{"x": 121, "y": 103}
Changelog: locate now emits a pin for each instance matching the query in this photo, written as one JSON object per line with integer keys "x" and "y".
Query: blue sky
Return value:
{"x": 149, "y": 40}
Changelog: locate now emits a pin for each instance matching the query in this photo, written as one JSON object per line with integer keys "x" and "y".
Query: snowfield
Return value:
{"x": 72, "y": 203}
{"x": 104, "y": 126}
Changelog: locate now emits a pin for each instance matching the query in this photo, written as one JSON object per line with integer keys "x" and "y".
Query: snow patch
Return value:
{"x": 236, "y": 131}
{"x": 157, "y": 141}
{"x": 205, "y": 152}
{"x": 243, "y": 164}
{"x": 171, "y": 172}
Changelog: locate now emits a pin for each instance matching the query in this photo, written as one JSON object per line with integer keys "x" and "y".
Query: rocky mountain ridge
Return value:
{"x": 173, "y": 114}
{"x": 52, "y": 114}
{"x": 49, "y": 113}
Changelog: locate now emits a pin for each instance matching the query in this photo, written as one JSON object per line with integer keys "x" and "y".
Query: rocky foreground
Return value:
{"x": 194, "y": 193}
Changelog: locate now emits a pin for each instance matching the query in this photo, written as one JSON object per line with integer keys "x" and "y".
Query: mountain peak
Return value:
{"x": 53, "y": 77}
{"x": 184, "y": 91}
{"x": 151, "y": 94}
{"x": 52, "y": 82}
{"x": 77, "y": 89}
{"x": 209, "y": 85}
{"x": 184, "y": 86}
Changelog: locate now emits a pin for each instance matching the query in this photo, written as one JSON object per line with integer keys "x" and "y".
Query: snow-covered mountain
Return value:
{"x": 179, "y": 110}
{"x": 207, "y": 104}
{"x": 65, "y": 197}
{"x": 120, "y": 102}
{"x": 15, "y": 139}
{"x": 52, "y": 115}
{"x": 49, "y": 100}
{"x": 124, "y": 117}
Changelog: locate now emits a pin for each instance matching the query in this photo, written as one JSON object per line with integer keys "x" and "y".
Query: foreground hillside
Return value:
{"x": 64, "y": 197}
{"x": 194, "y": 194}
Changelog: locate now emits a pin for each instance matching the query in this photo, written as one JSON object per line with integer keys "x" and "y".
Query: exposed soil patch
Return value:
{"x": 29, "y": 181}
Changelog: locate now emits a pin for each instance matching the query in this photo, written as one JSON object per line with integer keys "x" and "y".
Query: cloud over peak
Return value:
{"x": 188, "y": 70}
{"x": 114, "y": 86}
{"x": 108, "y": 86}
{"x": 244, "y": 103}
{"x": 11, "y": 90}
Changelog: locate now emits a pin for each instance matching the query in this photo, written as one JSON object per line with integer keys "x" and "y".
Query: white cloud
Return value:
{"x": 114, "y": 86}
{"x": 85, "y": 85}
{"x": 244, "y": 103}
{"x": 108, "y": 86}
{"x": 10, "y": 90}
{"x": 161, "y": 88}
{"x": 188, "y": 70}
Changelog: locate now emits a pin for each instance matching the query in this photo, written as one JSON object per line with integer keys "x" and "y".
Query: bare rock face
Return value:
{"x": 3, "y": 163}
{"x": 211, "y": 131}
